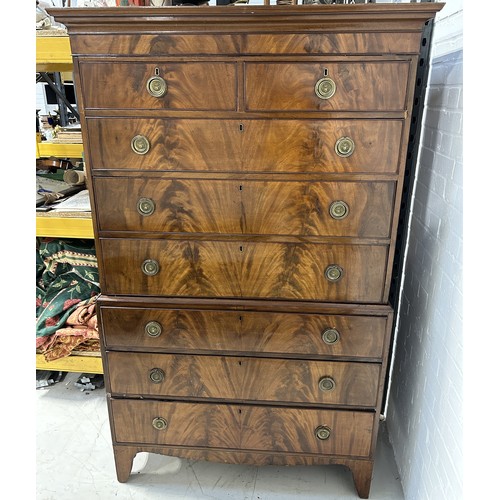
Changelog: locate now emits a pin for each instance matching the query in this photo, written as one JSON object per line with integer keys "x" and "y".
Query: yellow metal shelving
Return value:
{"x": 53, "y": 54}
{"x": 64, "y": 226}
{"x": 46, "y": 149}
{"x": 79, "y": 364}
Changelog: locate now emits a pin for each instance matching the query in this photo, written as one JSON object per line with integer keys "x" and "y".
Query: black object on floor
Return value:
{"x": 90, "y": 381}
{"x": 45, "y": 378}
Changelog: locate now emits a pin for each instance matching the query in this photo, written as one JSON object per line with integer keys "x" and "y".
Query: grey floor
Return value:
{"x": 74, "y": 461}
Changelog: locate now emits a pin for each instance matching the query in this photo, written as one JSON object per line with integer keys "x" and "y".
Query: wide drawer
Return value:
{"x": 355, "y": 86}
{"x": 187, "y": 330}
{"x": 209, "y": 85}
{"x": 246, "y": 145}
{"x": 356, "y": 273}
{"x": 163, "y": 44}
{"x": 358, "y": 209}
{"x": 243, "y": 378}
{"x": 241, "y": 427}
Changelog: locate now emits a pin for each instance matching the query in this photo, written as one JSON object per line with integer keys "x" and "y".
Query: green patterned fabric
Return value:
{"x": 66, "y": 274}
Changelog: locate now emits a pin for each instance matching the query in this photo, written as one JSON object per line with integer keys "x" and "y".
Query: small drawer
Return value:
{"x": 186, "y": 330}
{"x": 160, "y": 44}
{"x": 357, "y": 209}
{"x": 344, "y": 146}
{"x": 326, "y": 86}
{"x": 253, "y": 428}
{"x": 296, "y": 271}
{"x": 243, "y": 378}
{"x": 177, "y": 86}
{"x": 336, "y": 43}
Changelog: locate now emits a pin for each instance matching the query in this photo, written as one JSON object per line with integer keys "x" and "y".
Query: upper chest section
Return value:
{"x": 246, "y": 59}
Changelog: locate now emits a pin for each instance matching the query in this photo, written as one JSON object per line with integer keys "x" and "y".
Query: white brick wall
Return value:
{"x": 425, "y": 409}
{"x": 481, "y": 253}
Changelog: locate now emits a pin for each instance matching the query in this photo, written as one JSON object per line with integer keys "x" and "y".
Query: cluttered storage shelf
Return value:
{"x": 66, "y": 232}
{"x": 53, "y": 54}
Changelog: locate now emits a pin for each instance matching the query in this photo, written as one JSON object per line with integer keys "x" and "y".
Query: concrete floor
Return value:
{"x": 74, "y": 461}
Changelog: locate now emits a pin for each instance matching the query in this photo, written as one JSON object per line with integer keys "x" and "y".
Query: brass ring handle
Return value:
{"x": 150, "y": 267}
{"x": 156, "y": 86}
{"x": 339, "y": 210}
{"x": 330, "y": 336}
{"x": 333, "y": 272}
{"x": 145, "y": 206}
{"x": 325, "y": 88}
{"x": 139, "y": 145}
{"x": 344, "y": 147}
{"x": 326, "y": 384}
{"x": 322, "y": 432}
{"x": 156, "y": 375}
{"x": 153, "y": 329}
{"x": 159, "y": 423}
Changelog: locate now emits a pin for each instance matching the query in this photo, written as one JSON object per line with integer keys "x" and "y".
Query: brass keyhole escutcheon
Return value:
{"x": 156, "y": 86}
{"x": 330, "y": 336}
{"x": 323, "y": 432}
{"x": 325, "y": 88}
{"x": 156, "y": 375}
{"x": 339, "y": 210}
{"x": 333, "y": 272}
{"x": 139, "y": 145}
{"x": 153, "y": 329}
{"x": 146, "y": 206}
{"x": 159, "y": 423}
{"x": 150, "y": 267}
{"x": 344, "y": 147}
{"x": 326, "y": 384}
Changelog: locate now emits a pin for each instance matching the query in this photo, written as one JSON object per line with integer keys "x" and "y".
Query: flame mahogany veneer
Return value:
{"x": 246, "y": 168}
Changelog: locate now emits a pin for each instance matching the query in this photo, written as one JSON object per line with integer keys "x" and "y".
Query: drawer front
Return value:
{"x": 243, "y": 378}
{"x": 244, "y": 269}
{"x": 164, "y": 44}
{"x": 254, "y": 428}
{"x": 184, "y": 330}
{"x": 192, "y": 85}
{"x": 363, "y": 86}
{"x": 331, "y": 43}
{"x": 246, "y": 145}
{"x": 359, "y": 209}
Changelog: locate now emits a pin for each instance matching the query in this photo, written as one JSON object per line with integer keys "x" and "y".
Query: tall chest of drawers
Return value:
{"x": 246, "y": 169}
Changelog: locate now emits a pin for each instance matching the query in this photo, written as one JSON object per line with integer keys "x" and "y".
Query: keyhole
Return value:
{"x": 241, "y": 188}
{"x": 241, "y": 249}
{"x": 325, "y": 72}
{"x": 157, "y": 71}
{"x": 241, "y": 127}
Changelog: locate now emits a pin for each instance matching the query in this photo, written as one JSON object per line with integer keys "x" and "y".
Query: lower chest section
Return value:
{"x": 284, "y": 379}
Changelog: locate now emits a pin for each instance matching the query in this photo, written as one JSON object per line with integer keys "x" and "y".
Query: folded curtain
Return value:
{"x": 66, "y": 274}
{"x": 80, "y": 331}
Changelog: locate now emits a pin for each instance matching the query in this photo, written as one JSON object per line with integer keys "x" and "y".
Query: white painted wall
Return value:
{"x": 425, "y": 409}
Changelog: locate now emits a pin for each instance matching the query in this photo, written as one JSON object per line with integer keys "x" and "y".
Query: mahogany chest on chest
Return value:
{"x": 246, "y": 168}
